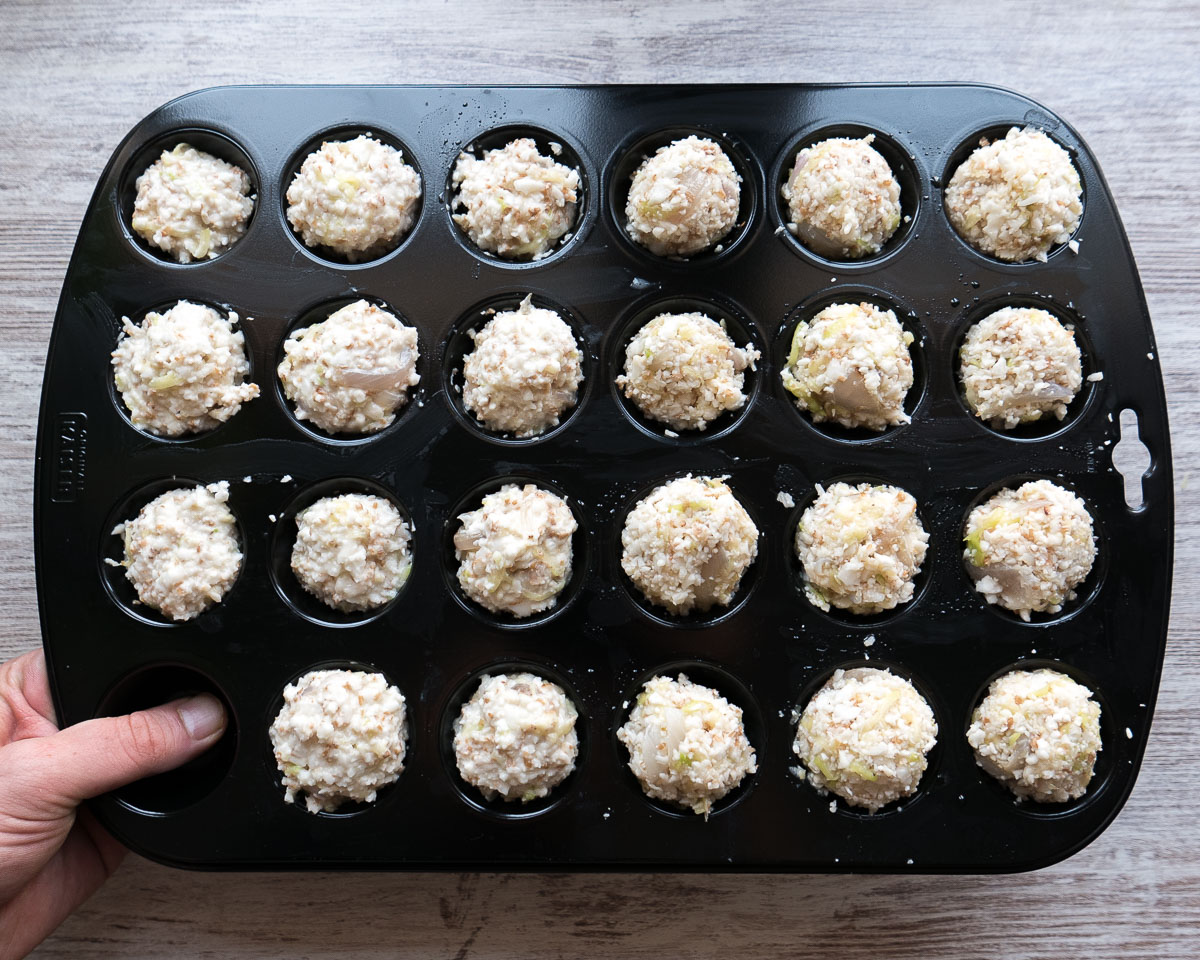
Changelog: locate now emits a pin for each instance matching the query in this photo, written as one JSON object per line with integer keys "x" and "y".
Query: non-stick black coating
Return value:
{"x": 771, "y": 654}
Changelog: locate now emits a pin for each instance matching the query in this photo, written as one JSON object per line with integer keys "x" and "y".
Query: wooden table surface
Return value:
{"x": 74, "y": 76}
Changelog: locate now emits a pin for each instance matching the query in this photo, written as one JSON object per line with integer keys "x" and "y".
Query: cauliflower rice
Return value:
{"x": 688, "y": 543}
{"x": 861, "y": 547}
{"x": 339, "y": 737}
{"x": 352, "y": 551}
{"x": 686, "y": 743}
{"x": 192, "y": 205}
{"x": 1018, "y": 365}
{"x": 514, "y": 552}
{"x": 683, "y": 199}
{"x": 351, "y": 372}
{"x": 515, "y": 738}
{"x": 843, "y": 199}
{"x": 1016, "y": 197}
{"x": 356, "y": 197}
{"x": 1038, "y": 733}
{"x": 865, "y": 736}
{"x": 182, "y": 371}
{"x": 1028, "y": 548}
{"x": 181, "y": 550}
{"x": 684, "y": 370}
{"x": 850, "y": 364}
{"x": 524, "y": 371}
{"x": 515, "y": 202}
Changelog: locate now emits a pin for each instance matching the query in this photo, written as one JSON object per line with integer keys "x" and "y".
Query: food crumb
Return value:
{"x": 1095, "y": 377}
{"x": 271, "y": 517}
{"x": 1073, "y": 246}
{"x": 246, "y": 479}
{"x": 286, "y": 478}
{"x": 785, "y": 498}
{"x": 869, "y": 641}
{"x": 833, "y": 806}
{"x": 670, "y": 433}
{"x": 909, "y": 861}
{"x": 607, "y": 814}
{"x": 1128, "y": 734}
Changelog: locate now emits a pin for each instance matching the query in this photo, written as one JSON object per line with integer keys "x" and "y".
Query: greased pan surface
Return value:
{"x": 768, "y": 653}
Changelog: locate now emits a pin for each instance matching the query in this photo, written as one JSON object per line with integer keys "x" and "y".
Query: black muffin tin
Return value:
{"x": 768, "y": 652}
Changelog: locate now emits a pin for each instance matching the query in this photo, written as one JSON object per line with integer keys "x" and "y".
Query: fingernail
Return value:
{"x": 202, "y": 715}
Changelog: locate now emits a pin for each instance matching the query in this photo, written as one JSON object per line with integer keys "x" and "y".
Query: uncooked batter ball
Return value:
{"x": 861, "y": 547}
{"x": 183, "y": 370}
{"x": 865, "y": 736}
{"x": 181, "y": 550}
{"x": 1028, "y": 549}
{"x": 684, "y": 370}
{"x": 683, "y": 199}
{"x": 1020, "y": 364}
{"x": 356, "y": 197}
{"x": 340, "y": 736}
{"x": 352, "y": 551}
{"x": 192, "y": 205}
{"x": 351, "y": 372}
{"x": 1038, "y": 733}
{"x": 843, "y": 198}
{"x": 515, "y": 738}
{"x": 850, "y": 364}
{"x": 1016, "y": 197}
{"x": 524, "y": 371}
{"x": 687, "y": 744}
{"x": 514, "y": 201}
{"x": 514, "y": 552}
{"x": 688, "y": 543}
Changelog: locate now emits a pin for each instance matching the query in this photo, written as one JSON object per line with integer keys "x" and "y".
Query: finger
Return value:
{"x": 99, "y": 755}
{"x": 36, "y": 685}
{"x": 26, "y": 709}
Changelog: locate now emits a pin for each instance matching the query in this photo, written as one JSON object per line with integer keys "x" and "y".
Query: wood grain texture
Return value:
{"x": 74, "y": 76}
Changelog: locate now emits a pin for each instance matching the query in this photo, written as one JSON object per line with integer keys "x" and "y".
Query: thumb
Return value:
{"x": 99, "y": 755}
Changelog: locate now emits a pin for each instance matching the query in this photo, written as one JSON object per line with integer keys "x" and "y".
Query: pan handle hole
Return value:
{"x": 1132, "y": 460}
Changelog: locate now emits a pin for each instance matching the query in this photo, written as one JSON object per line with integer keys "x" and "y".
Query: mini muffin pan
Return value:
{"x": 768, "y": 651}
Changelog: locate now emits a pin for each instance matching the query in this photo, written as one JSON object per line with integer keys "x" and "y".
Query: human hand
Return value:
{"x": 52, "y": 858}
